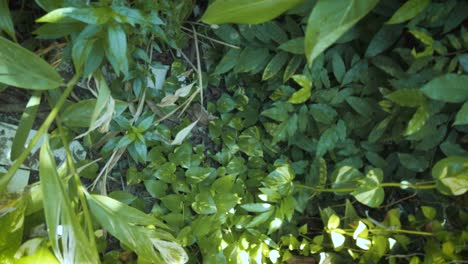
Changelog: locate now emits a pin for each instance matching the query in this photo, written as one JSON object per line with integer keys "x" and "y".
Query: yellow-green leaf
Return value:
{"x": 409, "y": 10}
{"x": 246, "y": 11}
{"x": 22, "y": 68}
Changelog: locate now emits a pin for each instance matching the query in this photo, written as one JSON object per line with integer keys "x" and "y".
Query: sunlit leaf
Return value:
{"x": 246, "y": 11}
{"x": 22, "y": 68}
{"x": 451, "y": 175}
{"x": 409, "y": 10}
{"x": 179, "y": 138}
{"x": 329, "y": 20}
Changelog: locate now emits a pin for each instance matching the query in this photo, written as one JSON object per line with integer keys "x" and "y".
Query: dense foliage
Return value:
{"x": 327, "y": 131}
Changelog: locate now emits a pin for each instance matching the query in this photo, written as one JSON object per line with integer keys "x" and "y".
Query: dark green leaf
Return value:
{"x": 407, "y": 97}
{"x": 6, "y": 24}
{"x": 416, "y": 162}
{"x": 294, "y": 46}
{"x": 228, "y": 61}
{"x": 462, "y": 115}
{"x": 275, "y": 65}
{"x": 450, "y": 88}
{"x": 418, "y": 120}
{"x": 384, "y": 39}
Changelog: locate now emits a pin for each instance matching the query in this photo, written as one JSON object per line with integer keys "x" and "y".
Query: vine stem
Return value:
{"x": 5, "y": 179}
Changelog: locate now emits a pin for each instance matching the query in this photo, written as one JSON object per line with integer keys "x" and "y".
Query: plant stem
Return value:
{"x": 43, "y": 129}
{"x": 337, "y": 190}
{"x": 411, "y": 186}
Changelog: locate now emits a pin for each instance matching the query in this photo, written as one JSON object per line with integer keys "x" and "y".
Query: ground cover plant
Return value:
{"x": 247, "y": 131}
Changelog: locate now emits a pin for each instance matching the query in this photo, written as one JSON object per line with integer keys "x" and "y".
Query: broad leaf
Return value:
{"x": 246, "y": 11}
{"x": 98, "y": 15}
{"x": 329, "y": 20}
{"x": 79, "y": 114}
{"x": 450, "y": 88}
{"x": 407, "y": 97}
{"x": 369, "y": 191}
{"x": 451, "y": 175}
{"x": 22, "y": 68}
{"x": 462, "y": 115}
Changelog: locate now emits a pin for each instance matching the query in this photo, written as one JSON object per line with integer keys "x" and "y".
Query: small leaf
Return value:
{"x": 418, "y": 120}
{"x": 22, "y": 68}
{"x": 415, "y": 162}
{"x": 450, "y": 88}
{"x": 329, "y": 20}
{"x": 228, "y": 61}
{"x": 462, "y": 115}
{"x": 429, "y": 212}
{"x": 384, "y": 39}
{"x": 407, "y": 97}
{"x": 204, "y": 204}
{"x": 260, "y": 219}
{"x": 369, "y": 191}
{"x": 294, "y": 46}
{"x": 300, "y": 96}
{"x": 409, "y": 10}
{"x": 275, "y": 65}
{"x": 333, "y": 222}
{"x": 451, "y": 175}
{"x": 257, "y": 207}
{"x": 292, "y": 67}
{"x": 339, "y": 67}
{"x": 246, "y": 11}
{"x": 180, "y": 137}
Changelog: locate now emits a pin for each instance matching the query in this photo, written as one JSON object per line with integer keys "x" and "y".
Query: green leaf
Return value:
{"x": 275, "y": 65}
{"x": 451, "y": 175}
{"x": 116, "y": 51}
{"x": 79, "y": 114}
{"x": 198, "y": 174}
{"x": 133, "y": 228}
{"x": 339, "y": 67}
{"x": 41, "y": 255}
{"x": 462, "y": 115}
{"x": 226, "y": 201}
{"x": 294, "y": 46}
{"x": 450, "y": 88}
{"x": 429, "y": 212}
{"x": 323, "y": 113}
{"x": 292, "y": 67}
{"x": 379, "y": 130}
{"x": 417, "y": 163}
{"x": 303, "y": 94}
{"x": 384, "y": 39}
{"x": 180, "y": 137}
{"x": 360, "y": 105}
{"x": 407, "y": 97}
{"x": 70, "y": 243}
{"x": 246, "y": 11}
{"x": 96, "y": 16}
{"x": 346, "y": 177}
{"x": 418, "y": 120}
{"x": 260, "y": 219}
{"x": 249, "y": 142}
{"x": 408, "y": 11}
{"x": 329, "y": 20}
{"x": 330, "y": 138}
{"x": 333, "y": 222}
{"x": 228, "y": 61}
{"x": 123, "y": 197}
{"x": 280, "y": 176}
{"x": 11, "y": 223}
{"x": 369, "y": 191}
{"x": 6, "y": 24}
{"x": 257, "y": 207}
{"x": 252, "y": 60}
{"x": 22, "y": 68}
{"x": 25, "y": 125}
{"x": 204, "y": 204}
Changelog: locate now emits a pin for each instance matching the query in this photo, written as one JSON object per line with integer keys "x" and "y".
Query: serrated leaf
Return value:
{"x": 180, "y": 137}
{"x": 22, "y": 68}
{"x": 246, "y": 11}
{"x": 462, "y": 115}
{"x": 408, "y": 11}
{"x": 275, "y": 65}
{"x": 450, "y": 88}
{"x": 329, "y": 20}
